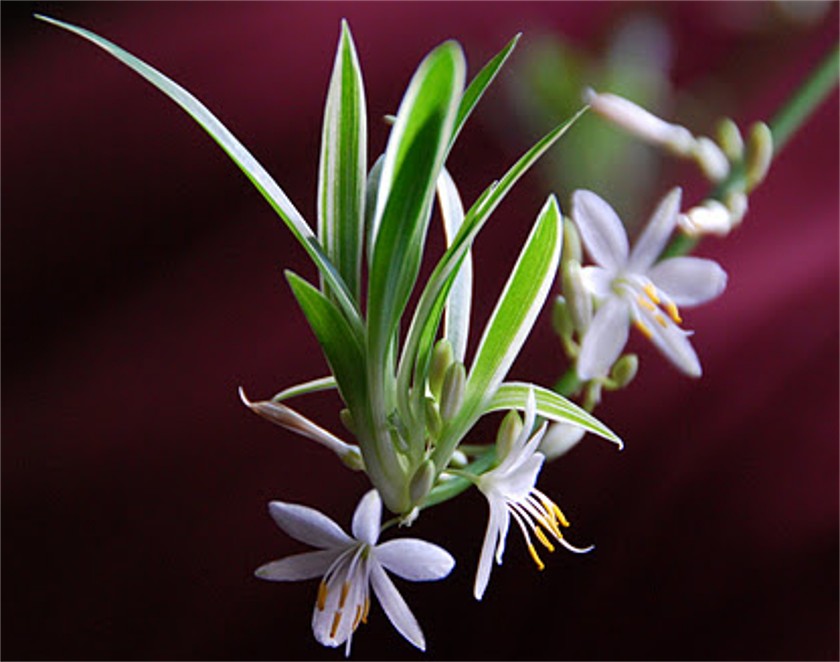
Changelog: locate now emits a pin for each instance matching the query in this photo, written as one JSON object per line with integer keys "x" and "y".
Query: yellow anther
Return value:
{"x": 543, "y": 539}
{"x": 650, "y": 290}
{"x": 336, "y": 621}
{"x": 322, "y": 596}
{"x": 646, "y": 332}
{"x": 560, "y": 516}
{"x": 357, "y": 618}
{"x": 535, "y": 556}
{"x": 345, "y": 587}
{"x": 366, "y": 610}
{"x": 646, "y": 303}
{"x": 673, "y": 312}
{"x": 660, "y": 320}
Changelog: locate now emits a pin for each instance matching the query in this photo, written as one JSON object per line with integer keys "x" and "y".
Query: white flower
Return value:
{"x": 350, "y": 566}
{"x": 629, "y": 286}
{"x": 511, "y": 492}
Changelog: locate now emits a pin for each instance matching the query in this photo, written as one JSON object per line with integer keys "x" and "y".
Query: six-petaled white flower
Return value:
{"x": 350, "y": 566}
{"x": 511, "y": 491}
{"x": 630, "y": 286}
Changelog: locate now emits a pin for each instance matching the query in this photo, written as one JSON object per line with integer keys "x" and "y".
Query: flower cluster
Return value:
{"x": 409, "y": 396}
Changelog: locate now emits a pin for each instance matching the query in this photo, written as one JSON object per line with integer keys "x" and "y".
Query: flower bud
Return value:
{"x": 509, "y": 429}
{"x": 711, "y": 159}
{"x": 458, "y": 460}
{"x": 452, "y": 391}
{"x": 442, "y": 357}
{"x": 421, "y": 482}
{"x": 434, "y": 424}
{"x": 730, "y": 140}
{"x": 572, "y": 249}
{"x": 759, "y": 154}
{"x": 737, "y": 203}
{"x": 578, "y": 299}
{"x": 624, "y": 370}
{"x": 559, "y": 439}
{"x": 346, "y": 417}
{"x": 561, "y": 318}
{"x": 640, "y": 122}
{"x": 712, "y": 217}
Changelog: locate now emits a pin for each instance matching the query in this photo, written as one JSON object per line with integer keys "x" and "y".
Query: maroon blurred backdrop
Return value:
{"x": 142, "y": 284}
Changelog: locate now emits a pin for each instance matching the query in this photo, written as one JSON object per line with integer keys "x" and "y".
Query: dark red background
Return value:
{"x": 142, "y": 284}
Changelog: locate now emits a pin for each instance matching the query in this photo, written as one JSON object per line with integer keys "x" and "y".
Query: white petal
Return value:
{"x": 367, "y": 518}
{"x": 485, "y": 561}
{"x": 518, "y": 483}
{"x": 598, "y": 281}
{"x": 415, "y": 560}
{"x": 689, "y": 280}
{"x": 604, "y": 340}
{"x": 395, "y": 607}
{"x": 601, "y": 229}
{"x": 652, "y": 241}
{"x": 673, "y": 342}
{"x": 299, "y": 566}
{"x": 308, "y": 525}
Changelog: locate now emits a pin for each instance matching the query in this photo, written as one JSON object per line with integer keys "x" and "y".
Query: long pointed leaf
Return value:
{"x": 341, "y": 184}
{"x": 475, "y": 90}
{"x": 509, "y": 325}
{"x": 342, "y": 347}
{"x": 305, "y": 388}
{"x": 413, "y": 159}
{"x": 550, "y": 405}
{"x": 238, "y": 153}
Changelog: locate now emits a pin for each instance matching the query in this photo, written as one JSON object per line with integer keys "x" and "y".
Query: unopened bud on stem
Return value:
{"x": 452, "y": 392}
{"x": 442, "y": 357}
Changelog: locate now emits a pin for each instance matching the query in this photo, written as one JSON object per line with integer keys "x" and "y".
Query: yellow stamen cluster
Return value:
{"x": 651, "y": 302}
{"x": 540, "y": 513}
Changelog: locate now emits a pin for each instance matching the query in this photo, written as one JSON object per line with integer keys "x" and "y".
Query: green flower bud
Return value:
{"x": 346, "y": 417}
{"x": 434, "y": 424}
{"x": 759, "y": 154}
{"x": 624, "y": 370}
{"x": 572, "y": 249}
{"x": 458, "y": 460}
{"x": 421, "y": 482}
{"x": 561, "y": 318}
{"x": 730, "y": 140}
{"x": 509, "y": 429}
{"x": 452, "y": 391}
{"x": 711, "y": 159}
{"x": 442, "y": 358}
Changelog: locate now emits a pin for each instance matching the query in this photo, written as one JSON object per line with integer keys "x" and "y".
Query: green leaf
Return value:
{"x": 413, "y": 159}
{"x": 304, "y": 388}
{"x": 241, "y": 156}
{"x": 341, "y": 182}
{"x": 509, "y": 325}
{"x": 342, "y": 347}
{"x": 550, "y": 405}
{"x": 475, "y": 90}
